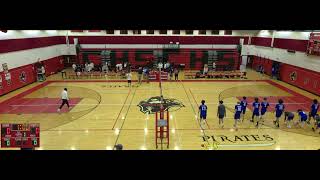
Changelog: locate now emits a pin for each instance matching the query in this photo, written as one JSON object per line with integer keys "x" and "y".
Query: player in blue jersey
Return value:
{"x": 314, "y": 110}
{"x": 244, "y": 104}
{"x": 203, "y": 112}
{"x": 303, "y": 117}
{"x": 255, "y": 112}
{"x": 264, "y": 107}
{"x": 237, "y": 114}
{"x": 279, "y": 111}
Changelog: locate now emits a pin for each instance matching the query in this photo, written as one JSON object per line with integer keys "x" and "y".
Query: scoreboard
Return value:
{"x": 20, "y": 135}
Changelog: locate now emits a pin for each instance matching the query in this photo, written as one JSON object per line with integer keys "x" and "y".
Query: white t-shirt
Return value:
{"x": 129, "y": 75}
{"x": 74, "y": 66}
{"x": 64, "y": 95}
{"x": 43, "y": 70}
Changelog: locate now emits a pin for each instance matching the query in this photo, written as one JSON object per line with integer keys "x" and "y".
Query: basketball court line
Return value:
{"x": 121, "y": 109}
{"x": 125, "y": 117}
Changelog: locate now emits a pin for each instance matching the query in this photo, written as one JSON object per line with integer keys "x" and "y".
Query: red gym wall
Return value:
{"x": 52, "y": 65}
{"x": 306, "y": 79}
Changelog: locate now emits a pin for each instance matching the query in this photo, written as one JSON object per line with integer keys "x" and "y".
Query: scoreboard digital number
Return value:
{"x": 20, "y": 135}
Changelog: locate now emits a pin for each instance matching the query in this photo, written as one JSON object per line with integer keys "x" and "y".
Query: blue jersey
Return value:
{"x": 279, "y": 109}
{"x": 303, "y": 115}
{"x": 203, "y": 109}
{"x": 264, "y": 106}
{"x": 244, "y": 104}
{"x": 238, "y": 109}
{"x": 314, "y": 109}
{"x": 255, "y": 106}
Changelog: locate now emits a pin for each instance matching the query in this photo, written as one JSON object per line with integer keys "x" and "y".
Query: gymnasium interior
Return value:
{"x": 171, "y": 72}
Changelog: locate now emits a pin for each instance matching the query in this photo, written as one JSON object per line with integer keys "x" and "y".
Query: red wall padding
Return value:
{"x": 261, "y": 41}
{"x": 266, "y": 63}
{"x": 306, "y": 79}
{"x": 291, "y": 44}
{"x": 15, "y": 78}
{"x": 10, "y": 45}
{"x": 95, "y": 58}
{"x": 52, "y": 65}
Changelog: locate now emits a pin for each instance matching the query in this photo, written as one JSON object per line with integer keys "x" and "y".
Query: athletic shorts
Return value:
{"x": 256, "y": 113}
{"x": 244, "y": 110}
{"x": 129, "y": 81}
{"x": 262, "y": 112}
{"x": 290, "y": 118}
{"x": 203, "y": 116}
{"x": 221, "y": 116}
{"x": 237, "y": 116}
{"x": 312, "y": 114}
{"x": 278, "y": 115}
{"x": 303, "y": 119}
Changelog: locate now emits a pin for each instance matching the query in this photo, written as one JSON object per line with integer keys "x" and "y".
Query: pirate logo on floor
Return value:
{"x": 23, "y": 77}
{"x": 293, "y": 76}
{"x": 152, "y": 105}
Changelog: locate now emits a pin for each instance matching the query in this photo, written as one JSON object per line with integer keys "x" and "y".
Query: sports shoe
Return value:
{"x": 58, "y": 110}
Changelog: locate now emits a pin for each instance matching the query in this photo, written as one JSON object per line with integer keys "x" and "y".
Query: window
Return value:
{"x": 150, "y": 31}
{"x": 123, "y": 31}
{"x": 136, "y": 31}
{"x": 189, "y": 32}
{"x": 163, "y": 32}
{"x": 203, "y": 32}
{"x": 110, "y": 31}
{"x": 215, "y": 32}
{"x": 228, "y": 32}
{"x": 176, "y": 32}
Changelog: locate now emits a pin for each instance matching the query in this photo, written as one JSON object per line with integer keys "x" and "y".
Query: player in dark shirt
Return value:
{"x": 279, "y": 111}
{"x": 264, "y": 107}
{"x": 237, "y": 114}
{"x": 288, "y": 117}
{"x": 255, "y": 112}
{"x": 314, "y": 110}
{"x": 221, "y": 113}
{"x": 244, "y": 104}
{"x": 317, "y": 123}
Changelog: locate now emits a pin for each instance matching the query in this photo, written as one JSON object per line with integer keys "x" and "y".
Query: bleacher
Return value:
{"x": 95, "y": 75}
{"x": 193, "y": 74}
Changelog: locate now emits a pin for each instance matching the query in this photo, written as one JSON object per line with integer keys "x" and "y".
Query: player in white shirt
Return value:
{"x": 129, "y": 76}
{"x": 43, "y": 71}
{"x": 65, "y": 99}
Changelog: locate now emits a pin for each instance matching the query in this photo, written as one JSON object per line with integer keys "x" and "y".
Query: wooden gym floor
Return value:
{"x": 107, "y": 113}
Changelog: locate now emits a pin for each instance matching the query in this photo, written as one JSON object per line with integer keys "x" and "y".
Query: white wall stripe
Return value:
{"x": 21, "y": 58}
{"x": 299, "y": 59}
